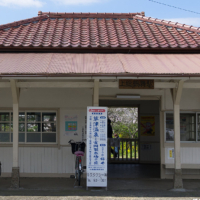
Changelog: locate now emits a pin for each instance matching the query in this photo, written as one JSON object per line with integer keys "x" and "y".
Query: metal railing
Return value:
{"x": 128, "y": 152}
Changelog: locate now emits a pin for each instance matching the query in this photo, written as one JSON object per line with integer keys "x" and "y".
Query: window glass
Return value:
{"x": 21, "y": 137}
{"x": 4, "y": 137}
{"x": 5, "y": 117}
{"x": 4, "y": 127}
{"x": 21, "y": 127}
{"x": 49, "y": 137}
{"x": 33, "y": 137}
{"x": 49, "y": 117}
{"x": 187, "y": 127}
{"x": 33, "y": 127}
{"x": 198, "y": 124}
{"x": 33, "y": 116}
{"x": 48, "y": 127}
{"x": 21, "y": 117}
{"x": 169, "y": 127}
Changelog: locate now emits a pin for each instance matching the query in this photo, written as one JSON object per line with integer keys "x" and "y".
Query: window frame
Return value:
{"x": 41, "y": 111}
{"x": 184, "y": 112}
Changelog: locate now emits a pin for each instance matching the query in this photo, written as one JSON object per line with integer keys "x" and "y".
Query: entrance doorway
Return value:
{"x": 138, "y": 155}
{"x": 124, "y": 148}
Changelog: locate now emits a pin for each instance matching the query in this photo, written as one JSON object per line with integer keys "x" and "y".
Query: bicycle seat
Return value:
{"x": 79, "y": 153}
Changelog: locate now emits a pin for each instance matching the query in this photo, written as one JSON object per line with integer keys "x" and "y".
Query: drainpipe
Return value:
{"x": 0, "y": 168}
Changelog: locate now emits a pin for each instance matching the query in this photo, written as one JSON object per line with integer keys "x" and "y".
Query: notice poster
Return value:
{"x": 147, "y": 125}
{"x": 171, "y": 153}
{"x": 71, "y": 124}
{"x": 96, "y": 147}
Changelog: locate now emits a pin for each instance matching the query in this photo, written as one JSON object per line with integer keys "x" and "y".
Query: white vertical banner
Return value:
{"x": 96, "y": 147}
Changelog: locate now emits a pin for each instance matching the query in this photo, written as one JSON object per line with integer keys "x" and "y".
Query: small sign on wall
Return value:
{"x": 171, "y": 153}
{"x": 136, "y": 84}
{"x": 71, "y": 124}
{"x": 146, "y": 147}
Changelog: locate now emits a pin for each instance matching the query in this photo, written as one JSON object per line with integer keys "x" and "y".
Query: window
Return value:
{"x": 187, "y": 126}
{"x": 5, "y": 127}
{"x": 34, "y": 127}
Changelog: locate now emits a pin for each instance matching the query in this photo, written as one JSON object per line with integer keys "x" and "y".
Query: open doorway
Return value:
{"x": 139, "y": 151}
{"x": 124, "y": 123}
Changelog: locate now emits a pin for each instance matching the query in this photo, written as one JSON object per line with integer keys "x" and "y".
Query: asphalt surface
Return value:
{"x": 63, "y": 188}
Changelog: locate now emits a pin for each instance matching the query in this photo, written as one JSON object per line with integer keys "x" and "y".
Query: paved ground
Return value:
{"x": 134, "y": 171}
{"x": 135, "y": 184}
{"x": 60, "y": 188}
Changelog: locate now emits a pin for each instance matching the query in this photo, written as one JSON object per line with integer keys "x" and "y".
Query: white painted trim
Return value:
{"x": 157, "y": 85}
{"x": 4, "y": 85}
{"x": 162, "y": 150}
{"x": 182, "y": 142}
{"x": 96, "y": 93}
{"x": 178, "y": 93}
{"x": 15, "y": 98}
{"x": 183, "y": 166}
{"x": 55, "y": 84}
{"x": 156, "y": 97}
{"x": 99, "y": 77}
{"x": 43, "y": 175}
{"x": 156, "y": 78}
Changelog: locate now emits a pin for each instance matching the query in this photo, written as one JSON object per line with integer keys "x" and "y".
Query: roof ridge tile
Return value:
{"x": 164, "y": 22}
{"x": 94, "y": 15}
{"x": 20, "y": 22}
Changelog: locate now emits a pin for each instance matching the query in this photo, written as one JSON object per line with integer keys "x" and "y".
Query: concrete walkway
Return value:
{"x": 62, "y": 188}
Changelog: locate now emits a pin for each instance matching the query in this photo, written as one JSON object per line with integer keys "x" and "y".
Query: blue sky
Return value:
{"x": 14, "y": 10}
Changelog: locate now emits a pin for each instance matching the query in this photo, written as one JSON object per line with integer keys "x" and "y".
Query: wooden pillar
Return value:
{"x": 15, "y": 168}
{"x": 96, "y": 93}
{"x": 176, "y": 95}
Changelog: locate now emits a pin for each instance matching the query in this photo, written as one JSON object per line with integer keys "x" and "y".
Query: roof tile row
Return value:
{"x": 97, "y": 30}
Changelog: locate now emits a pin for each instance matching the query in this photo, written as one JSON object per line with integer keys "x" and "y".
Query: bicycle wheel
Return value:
{"x": 79, "y": 177}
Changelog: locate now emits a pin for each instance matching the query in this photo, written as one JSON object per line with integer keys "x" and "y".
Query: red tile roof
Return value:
{"x": 90, "y": 30}
{"x": 68, "y": 64}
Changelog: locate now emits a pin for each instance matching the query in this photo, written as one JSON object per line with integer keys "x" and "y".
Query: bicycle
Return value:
{"x": 78, "y": 148}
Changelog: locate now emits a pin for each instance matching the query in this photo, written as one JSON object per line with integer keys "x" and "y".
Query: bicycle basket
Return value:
{"x": 74, "y": 147}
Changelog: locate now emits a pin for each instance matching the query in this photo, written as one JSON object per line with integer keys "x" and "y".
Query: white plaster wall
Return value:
{"x": 150, "y": 108}
{"x": 115, "y": 91}
{"x": 5, "y": 97}
{"x": 56, "y": 160}
{"x": 39, "y": 160}
{"x": 56, "y": 98}
{"x": 190, "y": 100}
{"x": 65, "y": 137}
{"x": 48, "y": 159}
{"x": 48, "y": 98}
{"x": 189, "y": 155}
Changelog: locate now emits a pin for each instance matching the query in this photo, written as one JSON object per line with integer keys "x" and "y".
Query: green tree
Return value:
{"x": 124, "y": 121}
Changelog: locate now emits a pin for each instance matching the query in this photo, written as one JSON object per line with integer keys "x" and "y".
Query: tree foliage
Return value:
{"x": 124, "y": 121}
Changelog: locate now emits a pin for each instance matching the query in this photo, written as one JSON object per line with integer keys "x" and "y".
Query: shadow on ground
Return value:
{"x": 123, "y": 181}
{"x": 116, "y": 188}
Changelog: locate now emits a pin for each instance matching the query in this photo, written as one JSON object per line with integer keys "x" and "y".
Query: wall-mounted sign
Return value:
{"x": 97, "y": 147}
{"x": 146, "y": 147}
{"x": 71, "y": 124}
{"x": 136, "y": 84}
{"x": 147, "y": 125}
{"x": 170, "y": 153}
